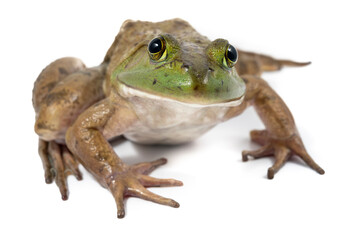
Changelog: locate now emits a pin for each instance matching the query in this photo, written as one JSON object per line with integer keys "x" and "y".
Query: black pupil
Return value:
{"x": 155, "y": 45}
{"x": 232, "y": 53}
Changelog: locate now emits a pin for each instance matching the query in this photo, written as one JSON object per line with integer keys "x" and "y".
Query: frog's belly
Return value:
{"x": 171, "y": 122}
{"x": 173, "y": 135}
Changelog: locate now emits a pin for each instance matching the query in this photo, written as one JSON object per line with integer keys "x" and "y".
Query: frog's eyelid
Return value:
{"x": 225, "y": 62}
{"x": 164, "y": 55}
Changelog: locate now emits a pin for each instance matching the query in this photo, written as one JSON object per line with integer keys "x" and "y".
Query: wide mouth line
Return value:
{"x": 128, "y": 91}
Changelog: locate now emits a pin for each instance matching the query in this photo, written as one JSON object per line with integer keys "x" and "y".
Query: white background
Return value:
{"x": 222, "y": 197}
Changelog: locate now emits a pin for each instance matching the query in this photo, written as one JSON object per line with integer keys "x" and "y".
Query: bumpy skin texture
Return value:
{"x": 79, "y": 109}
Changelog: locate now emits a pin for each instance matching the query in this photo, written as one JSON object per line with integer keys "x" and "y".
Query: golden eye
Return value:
{"x": 231, "y": 56}
{"x": 157, "y": 49}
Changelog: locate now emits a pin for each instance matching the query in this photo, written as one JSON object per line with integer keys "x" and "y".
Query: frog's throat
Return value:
{"x": 128, "y": 92}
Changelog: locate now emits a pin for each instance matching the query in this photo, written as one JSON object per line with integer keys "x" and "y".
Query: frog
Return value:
{"x": 159, "y": 83}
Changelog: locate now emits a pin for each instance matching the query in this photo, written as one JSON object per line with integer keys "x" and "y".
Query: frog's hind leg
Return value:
{"x": 256, "y": 64}
{"x": 280, "y": 138}
{"x": 58, "y": 163}
{"x": 59, "y": 107}
{"x": 61, "y": 92}
{"x": 52, "y": 75}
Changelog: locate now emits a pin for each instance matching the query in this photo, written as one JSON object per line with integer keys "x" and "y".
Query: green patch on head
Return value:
{"x": 182, "y": 70}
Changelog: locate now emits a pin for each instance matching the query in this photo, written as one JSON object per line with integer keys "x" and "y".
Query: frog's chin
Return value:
{"x": 128, "y": 92}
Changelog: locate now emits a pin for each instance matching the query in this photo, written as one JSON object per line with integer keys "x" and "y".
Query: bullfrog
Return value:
{"x": 159, "y": 83}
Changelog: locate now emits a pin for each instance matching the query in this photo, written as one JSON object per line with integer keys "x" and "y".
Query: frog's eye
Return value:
{"x": 230, "y": 56}
{"x": 157, "y": 49}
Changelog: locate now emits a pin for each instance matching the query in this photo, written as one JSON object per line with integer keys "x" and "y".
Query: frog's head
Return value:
{"x": 184, "y": 71}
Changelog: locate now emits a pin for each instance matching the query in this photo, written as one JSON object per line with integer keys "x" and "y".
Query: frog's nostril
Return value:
{"x": 185, "y": 66}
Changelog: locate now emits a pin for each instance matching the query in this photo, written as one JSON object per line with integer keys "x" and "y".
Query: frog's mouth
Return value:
{"x": 129, "y": 92}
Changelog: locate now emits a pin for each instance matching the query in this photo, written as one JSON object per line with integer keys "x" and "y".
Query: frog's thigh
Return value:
{"x": 54, "y": 73}
{"x": 66, "y": 101}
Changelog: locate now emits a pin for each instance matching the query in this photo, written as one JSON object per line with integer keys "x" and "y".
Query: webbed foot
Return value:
{"x": 58, "y": 163}
{"x": 281, "y": 149}
{"x": 132, "y": 182}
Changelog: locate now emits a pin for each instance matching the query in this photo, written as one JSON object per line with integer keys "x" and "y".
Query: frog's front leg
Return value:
{"x": 280, "y": 138}
{"x": 87, "y": 139}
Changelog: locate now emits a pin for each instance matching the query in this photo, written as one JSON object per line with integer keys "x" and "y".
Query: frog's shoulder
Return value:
{"x": 133, "y": 32}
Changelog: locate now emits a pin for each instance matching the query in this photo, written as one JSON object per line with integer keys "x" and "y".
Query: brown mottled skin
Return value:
{"x": 78, "y": 111}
